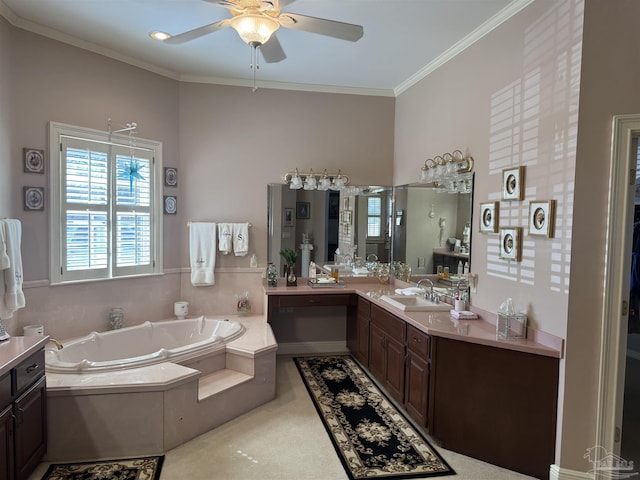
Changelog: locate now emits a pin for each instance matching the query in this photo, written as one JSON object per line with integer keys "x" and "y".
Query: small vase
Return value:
{"x": 292, "y": 280}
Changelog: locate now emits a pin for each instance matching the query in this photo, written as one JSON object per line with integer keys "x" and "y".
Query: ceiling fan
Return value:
{"x": 257, "y": 20}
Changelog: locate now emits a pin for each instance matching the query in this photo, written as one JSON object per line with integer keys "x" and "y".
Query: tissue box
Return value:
{"x": 511, "y": 326}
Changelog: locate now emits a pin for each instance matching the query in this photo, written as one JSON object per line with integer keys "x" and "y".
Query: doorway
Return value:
{"x": 615, "y": 328}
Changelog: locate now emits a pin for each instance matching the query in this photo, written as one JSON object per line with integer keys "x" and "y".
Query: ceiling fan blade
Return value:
{"x": 284, "y": 3}
{"x": 272, "y": 50}
{"x": 197, "y": 32}
{"x": 330, "y": 28}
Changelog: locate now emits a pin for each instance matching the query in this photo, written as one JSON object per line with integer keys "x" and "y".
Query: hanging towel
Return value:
{"x": 202, "y": 253}
{"x": 11, "y": 295}
{"x": 240, "y": 239}
{"x": 225, "y": 237}
{"x": 4, "y": 258}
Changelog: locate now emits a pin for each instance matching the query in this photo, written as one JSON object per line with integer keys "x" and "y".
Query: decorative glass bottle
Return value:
{"x": 272, "y": 275}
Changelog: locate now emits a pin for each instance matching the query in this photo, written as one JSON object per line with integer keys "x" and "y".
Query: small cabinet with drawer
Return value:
{"x": 23, "y": 421}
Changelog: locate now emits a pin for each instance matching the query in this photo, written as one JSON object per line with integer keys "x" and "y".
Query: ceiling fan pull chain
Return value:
{"x": 254, "y": 64}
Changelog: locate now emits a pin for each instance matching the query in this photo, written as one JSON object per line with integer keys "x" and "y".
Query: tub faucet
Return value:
{"x": 430, "y": 295}
{"x": 58, "y": 345}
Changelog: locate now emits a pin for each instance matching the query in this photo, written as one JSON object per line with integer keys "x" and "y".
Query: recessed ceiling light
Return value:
{"x": 159, "y": 35}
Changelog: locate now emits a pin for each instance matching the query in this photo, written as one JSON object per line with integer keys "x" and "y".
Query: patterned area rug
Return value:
{"x": 372, "y": 438}
{"x": 146, "y": 468}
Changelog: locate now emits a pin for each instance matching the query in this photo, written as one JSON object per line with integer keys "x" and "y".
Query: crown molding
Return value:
{"x": 487, "y": 27}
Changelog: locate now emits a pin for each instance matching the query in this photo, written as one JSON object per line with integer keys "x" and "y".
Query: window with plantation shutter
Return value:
{"x": 374, "y": 216}
{"x": 105, "y": 212}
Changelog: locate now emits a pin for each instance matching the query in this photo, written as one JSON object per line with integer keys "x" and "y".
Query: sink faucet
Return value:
{"x": 58, "y": 345}
{"x": 429, "y": 295}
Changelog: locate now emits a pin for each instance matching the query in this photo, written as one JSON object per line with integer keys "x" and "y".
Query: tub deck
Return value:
{"x": 150, "y": 410}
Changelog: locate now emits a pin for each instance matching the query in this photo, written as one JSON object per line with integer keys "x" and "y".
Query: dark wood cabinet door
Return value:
{"x": 30, "y": 429}
{"x": 352, "y": 334}
{"x": 416, "y": 393}
{"x": 394, "y": 375}
{"x": 377, "y": 353}
{"x": 6, "y": 444}
{"x": 362, "y": 347}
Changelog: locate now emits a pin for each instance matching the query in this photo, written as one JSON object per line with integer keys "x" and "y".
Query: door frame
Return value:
{"x": 619, "y": 246}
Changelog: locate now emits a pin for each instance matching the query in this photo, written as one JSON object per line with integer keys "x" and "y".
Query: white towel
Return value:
{"x": 11, "y": 295}
{"x": 4, "y": 258}
{"x": 240, "y": 239}
{"x": 202, "y": 253}
{"x": 225, "y": 238}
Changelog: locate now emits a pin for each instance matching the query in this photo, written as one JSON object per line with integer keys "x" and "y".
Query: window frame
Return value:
{"x": 57, "y": 131}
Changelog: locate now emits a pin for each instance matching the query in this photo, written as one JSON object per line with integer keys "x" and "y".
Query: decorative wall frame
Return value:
{"x": 287, "y": 220}
{"x": 33, "y": 160}
{"x": 33, "y": 199}
{"x": 303, "y": 210}
{"x": 542, "y": 216}
{"x": 513, "y": 183}
{"x": 489, "y": 217}
{"x": 346, "y": 217}
{"x": 170, "y": 204}
{"x": 171, "y": 176}
{"x": 511, "y": 243}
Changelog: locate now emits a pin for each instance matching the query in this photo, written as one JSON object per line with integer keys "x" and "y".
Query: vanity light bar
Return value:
{"x": 315, "y": 181}
{"x": 443, "y": 167}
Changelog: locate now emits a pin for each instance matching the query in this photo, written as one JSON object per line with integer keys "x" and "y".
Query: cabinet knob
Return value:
{"x": 31, "y": 368}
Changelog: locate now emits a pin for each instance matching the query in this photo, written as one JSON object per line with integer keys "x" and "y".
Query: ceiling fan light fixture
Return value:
{"x": 254, "y": 29}
{"x": 157, "y": 35}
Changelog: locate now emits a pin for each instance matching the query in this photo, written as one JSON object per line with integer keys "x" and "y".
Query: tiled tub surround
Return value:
{"x": 152, "y": 409}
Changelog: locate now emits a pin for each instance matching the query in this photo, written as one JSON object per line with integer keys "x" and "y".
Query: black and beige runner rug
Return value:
{"x": 372, "y": 438}
{"x": 146, "y": 468}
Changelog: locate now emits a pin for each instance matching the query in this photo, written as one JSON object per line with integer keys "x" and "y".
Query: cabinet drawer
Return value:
{"x": 322, "y": 300}
{"x": 392, "y": 326}
{"x": 28, "y": 371}
{"x": 419, "y": 342}
{"x": 5, "y": 390}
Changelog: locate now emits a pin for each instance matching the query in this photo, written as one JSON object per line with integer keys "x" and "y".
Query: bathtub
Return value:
{"x": 149, "y": 343}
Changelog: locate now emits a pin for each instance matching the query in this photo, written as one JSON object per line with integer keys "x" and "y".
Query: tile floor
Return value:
{"x": 281, "y": 440}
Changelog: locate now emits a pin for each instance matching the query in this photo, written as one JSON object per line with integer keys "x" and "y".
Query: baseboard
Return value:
{"x": 305, "y": 348}
{"x": 558, "y": 473}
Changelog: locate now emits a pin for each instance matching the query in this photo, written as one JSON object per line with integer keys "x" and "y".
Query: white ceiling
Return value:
{"x": 403, "y": 39}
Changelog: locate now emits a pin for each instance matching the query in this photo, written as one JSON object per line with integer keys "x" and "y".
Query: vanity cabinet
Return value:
{"x": 418, "y": 376}
{"x": 495, "y": 404}
{"x": 387, "y": 351}
{"x": 23, "y": 418}
{"x": 358, "y": 331}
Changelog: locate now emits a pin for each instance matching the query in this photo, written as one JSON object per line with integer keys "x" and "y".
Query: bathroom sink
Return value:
{"x": 414, "y": 304}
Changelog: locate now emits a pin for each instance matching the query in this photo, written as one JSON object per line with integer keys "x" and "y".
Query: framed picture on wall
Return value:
{"x": 33, "y": 160}
{"x": 171, "y": 176}
{"x": 303, "y": 210}
{"x": 287, "y": 220}
{"x": 33, "y": 199}
{"x": 489, "y": 217}
{"x": 511, "y": 243}
{"x": 513, "y": 183}
{"x": 170, "y": 204}
{"x": 542, "y": 218}
{"x": 346, "y": 217}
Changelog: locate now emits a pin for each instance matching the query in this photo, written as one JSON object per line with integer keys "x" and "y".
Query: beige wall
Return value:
{"x": 226, "y": 142}
{"x": 7, "y": 163}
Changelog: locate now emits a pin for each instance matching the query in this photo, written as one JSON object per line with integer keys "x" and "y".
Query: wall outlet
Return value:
{"x": 420, "y": 262}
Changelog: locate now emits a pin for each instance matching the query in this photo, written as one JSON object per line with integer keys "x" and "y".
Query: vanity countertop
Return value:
{"x": 17, "y": 349}
{"x": 440, "y": 324}
{"x": 446, "y": 251}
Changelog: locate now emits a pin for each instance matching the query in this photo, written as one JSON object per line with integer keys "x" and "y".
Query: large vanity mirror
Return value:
{"x": 418, "y": 224}
{"x": 432, "y": 227}
{"x": 316, "y": 223}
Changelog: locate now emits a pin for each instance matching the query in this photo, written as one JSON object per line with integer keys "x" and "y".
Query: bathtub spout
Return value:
{"x": 58, "y": 345}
